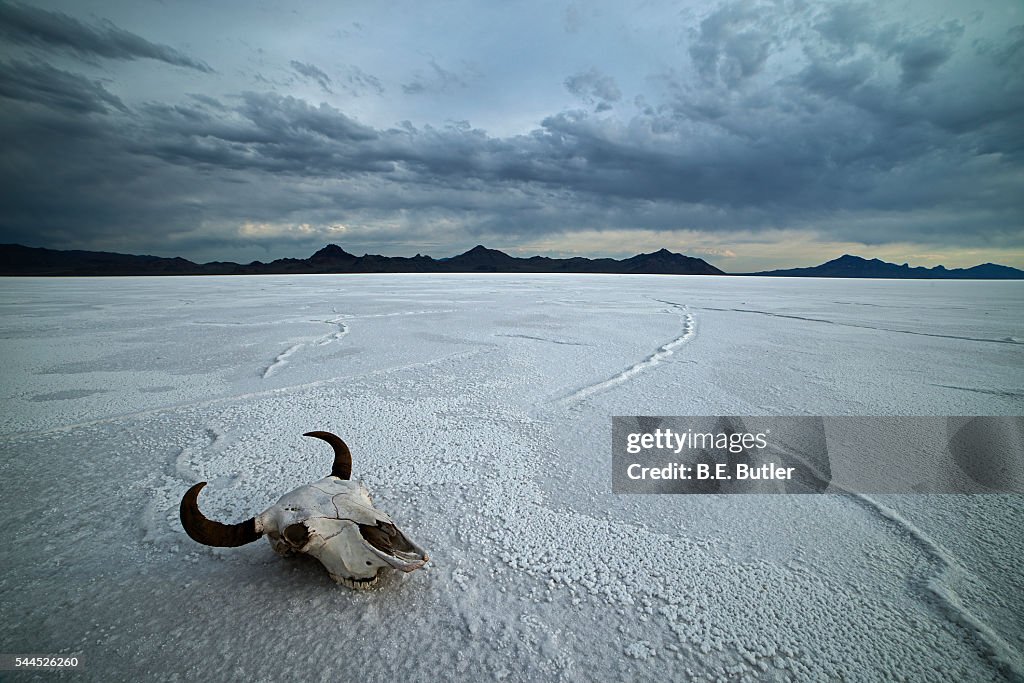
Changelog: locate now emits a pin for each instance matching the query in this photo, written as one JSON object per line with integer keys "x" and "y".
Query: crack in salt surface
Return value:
{"x": 992, "y": 392}
{"x": 659, "y": 356}
{"x": 1007, "y": 340}
{"x": 1006, "y": 658}
{"x": 543, "y": 339}
{"x": 281, "y": 359}
{"x": 948, "y": 569}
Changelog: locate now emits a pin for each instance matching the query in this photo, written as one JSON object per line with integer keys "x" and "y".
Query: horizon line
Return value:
{"x": 482, "y": 247}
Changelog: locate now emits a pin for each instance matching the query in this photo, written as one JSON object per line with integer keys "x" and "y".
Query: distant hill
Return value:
{"x": 855, "y": 266}
{"x": 33, "y": 261}
{"x": 18, "y": 260}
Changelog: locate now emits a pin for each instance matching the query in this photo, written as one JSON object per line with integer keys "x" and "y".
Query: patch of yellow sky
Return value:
{"x": 746, "y": 252}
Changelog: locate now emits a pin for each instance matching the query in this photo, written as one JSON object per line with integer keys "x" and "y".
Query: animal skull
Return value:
{"x": 332, "y": 519}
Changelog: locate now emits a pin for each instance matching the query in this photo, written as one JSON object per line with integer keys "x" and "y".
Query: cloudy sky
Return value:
{"x": 753, "y": 134}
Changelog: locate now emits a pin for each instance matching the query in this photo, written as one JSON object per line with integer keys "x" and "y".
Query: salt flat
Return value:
{"x": 478, "y": 411}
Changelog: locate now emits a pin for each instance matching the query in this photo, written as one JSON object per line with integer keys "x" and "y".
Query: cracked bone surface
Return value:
{"x": 333, "y": 520}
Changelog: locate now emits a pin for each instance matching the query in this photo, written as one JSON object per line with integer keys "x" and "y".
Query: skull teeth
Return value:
{"x": 357, "y": 584}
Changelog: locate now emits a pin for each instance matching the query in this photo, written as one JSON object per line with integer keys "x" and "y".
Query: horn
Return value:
{"x": 208, "y": 532}
{"x": 342, "y": 456}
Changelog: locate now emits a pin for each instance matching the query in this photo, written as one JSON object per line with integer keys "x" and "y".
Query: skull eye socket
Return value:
{"x": 296, "y": 534}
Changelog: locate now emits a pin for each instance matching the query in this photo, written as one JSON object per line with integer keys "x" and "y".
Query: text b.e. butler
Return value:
{"x": 710, "y": 471}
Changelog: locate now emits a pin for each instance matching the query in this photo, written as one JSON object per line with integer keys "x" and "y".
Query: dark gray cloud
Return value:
{"x": 921, "y": 55}
{"x": 918, "y": 53}
{"x": 45, "y": 85}
{"x": 595, "y": 88}
{"x": 313, "y": 73}
{"x": 850, "y": 24}
{"x": 79, "y": 183}
{"x": 435, "y": 79}
{"x": 357, "y": 82}
{"x": 37, "y": 27}
{"x": 734, "y": 42}
{"x": 260, "y": 132}
{"x": 1011, "y": 52}
{"x": 207, "y": 100}
{"x": 831, "y": 79}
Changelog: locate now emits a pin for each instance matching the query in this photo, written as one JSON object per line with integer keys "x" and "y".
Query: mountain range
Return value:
{"x": 855, "y": 266}
{"x": 19, "y": 260}
{"x": 16, "y": 259}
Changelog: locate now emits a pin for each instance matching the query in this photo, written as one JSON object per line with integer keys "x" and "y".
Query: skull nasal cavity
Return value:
{"x": 296, "y": 534}
{"x": 386, "y": 538}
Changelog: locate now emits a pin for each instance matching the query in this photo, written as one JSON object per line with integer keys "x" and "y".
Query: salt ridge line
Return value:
{"x": 334, "y": 336}
{"x": 1001, "y": 652}
{"x": 397, "y": 314}
{"x": 281, "y": 359}
{"x": 662, "y": 352}
{"x": 158, "y": 518}
{"x": 223, "y": 399}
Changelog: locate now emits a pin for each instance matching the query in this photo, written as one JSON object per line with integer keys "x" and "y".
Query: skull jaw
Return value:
{"x": 356, "y": 584}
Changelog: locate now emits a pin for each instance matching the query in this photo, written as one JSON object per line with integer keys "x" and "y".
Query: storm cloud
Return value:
{"x": 832, "y": 123}
{"x": 312, "y": 72}
{"x": 593, "y": 87}
{"x": 37, "y": 27}
{"x": 45, "y": 85}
